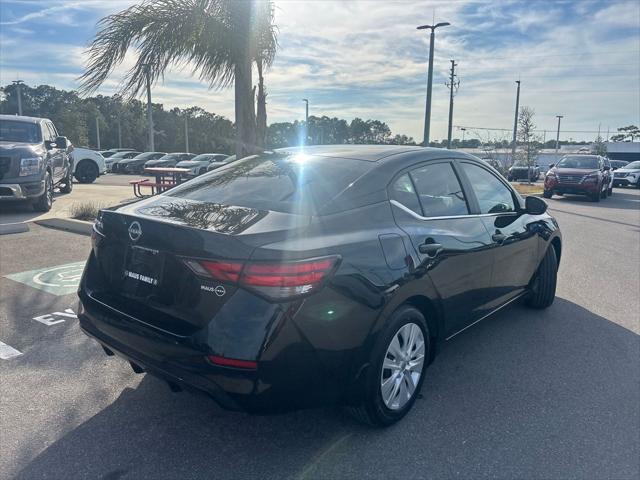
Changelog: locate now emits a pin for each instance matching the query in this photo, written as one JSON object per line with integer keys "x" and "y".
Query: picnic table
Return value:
{"x": 165, "y": 178}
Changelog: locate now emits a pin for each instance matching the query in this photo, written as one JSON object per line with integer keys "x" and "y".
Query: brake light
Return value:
{"x": 278, "y": 281}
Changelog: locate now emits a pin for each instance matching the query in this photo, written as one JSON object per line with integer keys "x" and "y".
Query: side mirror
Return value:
{"x": 551, "y": 165}
{"x": 61, "y": 142}
{"x": 607, "y": 167}
{"x": 535, "y": 205}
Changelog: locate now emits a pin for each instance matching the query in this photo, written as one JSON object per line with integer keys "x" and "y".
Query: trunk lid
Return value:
{"x": 140, "y": 259}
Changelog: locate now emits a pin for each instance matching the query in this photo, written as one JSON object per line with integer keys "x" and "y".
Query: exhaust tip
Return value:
{"x": 136, "y": 368}
{"x": 107, "y": 351}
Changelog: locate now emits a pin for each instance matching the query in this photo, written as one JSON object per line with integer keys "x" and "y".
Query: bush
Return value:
{"x": 85, "y": 210}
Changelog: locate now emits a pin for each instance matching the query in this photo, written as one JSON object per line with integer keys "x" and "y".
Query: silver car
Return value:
{"x": 627, "y": 176}
{"x": 200, "y": 163}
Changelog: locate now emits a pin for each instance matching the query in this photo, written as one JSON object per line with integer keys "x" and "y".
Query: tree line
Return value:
{"x": 123, "y": 123}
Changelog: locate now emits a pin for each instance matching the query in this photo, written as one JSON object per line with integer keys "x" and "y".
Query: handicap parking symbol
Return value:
{"x": 58, "y": 280}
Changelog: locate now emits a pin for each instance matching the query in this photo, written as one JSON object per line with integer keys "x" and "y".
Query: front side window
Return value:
{"x": 493, "y": 195}
{"x": 439, "y": 191}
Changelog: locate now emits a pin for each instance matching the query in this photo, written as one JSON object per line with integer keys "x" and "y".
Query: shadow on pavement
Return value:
{"x": 525, "y": 394}
{"x": 619, "y": 200}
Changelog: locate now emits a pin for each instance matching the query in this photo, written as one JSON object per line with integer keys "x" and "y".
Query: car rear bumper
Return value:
{"x": 20, "y": 191}
{"x": 283, "y": 381}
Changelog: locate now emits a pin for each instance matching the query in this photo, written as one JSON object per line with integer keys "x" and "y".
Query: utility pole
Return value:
{"x": 186, "y": 133}
{"x": 18, "y": 84}
{"x": 558, "y": 132}
{"x": 515, "y": 124}
{"x": 147, "y": 72}
{"x": 427, "y": 113}
{"x": 98, "y": 131}
{"x": 452, "y": 84}
{"x": 119, "y": 133}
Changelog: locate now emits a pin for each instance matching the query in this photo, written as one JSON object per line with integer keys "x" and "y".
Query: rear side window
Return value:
{"x": 493, "y": 195}
{"x": 403, "y": 192}
{"x": 280, "y": 182}
{"x": 439, "y": 191}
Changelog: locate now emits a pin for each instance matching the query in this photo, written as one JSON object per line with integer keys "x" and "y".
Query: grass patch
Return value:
{"x": 526, "y": 189}
{"x": 85, "y": 210}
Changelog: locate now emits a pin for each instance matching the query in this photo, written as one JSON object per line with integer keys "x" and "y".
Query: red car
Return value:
{"x": 579, "y": 174}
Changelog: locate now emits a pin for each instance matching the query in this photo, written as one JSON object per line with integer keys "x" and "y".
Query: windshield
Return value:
{"x": 579, "y": 161}
{"x": 171, "y": 156}
{"x": 634, "y": 165}
{"x": 15, "y": 131}
{"x": 203, "y": 157}
{"x": 279, "y": 182}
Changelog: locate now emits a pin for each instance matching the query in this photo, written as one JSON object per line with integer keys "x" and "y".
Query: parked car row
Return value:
{"x": 131, "y": 161}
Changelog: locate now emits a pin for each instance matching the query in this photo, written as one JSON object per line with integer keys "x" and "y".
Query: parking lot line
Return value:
{"x": 7, "y": 351}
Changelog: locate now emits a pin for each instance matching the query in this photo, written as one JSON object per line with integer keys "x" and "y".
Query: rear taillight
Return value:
{"x": 278, "y": 281}
{"x": 232, "y": 362}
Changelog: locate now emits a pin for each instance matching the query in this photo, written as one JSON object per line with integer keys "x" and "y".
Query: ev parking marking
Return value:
{"x": 49, "y": 319}
{"x": 59, "y": 280}
{"x": 7, "y": 351}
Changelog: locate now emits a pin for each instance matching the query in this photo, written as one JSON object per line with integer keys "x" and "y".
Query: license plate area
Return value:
{"x": 142, "y": 271}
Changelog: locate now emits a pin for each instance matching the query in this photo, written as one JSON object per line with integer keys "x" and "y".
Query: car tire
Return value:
{"x": 542, "y": 290}
{"x": 406, "y": 322}
{"x": 66, "y": 185}
{"x": 595, "y": 197}
{"x": 603, "y": 193}
{"x": 202, "y": 171}
{"x": 86, "y": 171}
{"x": 547, "y": 194}
{"x": 44, "y": 202}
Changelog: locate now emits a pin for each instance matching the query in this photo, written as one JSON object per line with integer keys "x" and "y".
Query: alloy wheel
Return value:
{"x": 402, "y": 366}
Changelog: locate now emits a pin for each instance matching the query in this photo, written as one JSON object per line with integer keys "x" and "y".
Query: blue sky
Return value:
{"x": 580, "y": 59}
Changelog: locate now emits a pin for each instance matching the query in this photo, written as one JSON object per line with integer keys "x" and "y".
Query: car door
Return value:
{"x": 512, "y": 231}
{"x": 452, "y": 245}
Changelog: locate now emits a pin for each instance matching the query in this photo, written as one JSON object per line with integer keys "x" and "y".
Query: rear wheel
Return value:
{"x": 67, "y": 183}
{"x": 398, "y": 362}
{"x": 595, "y": 197}
{"x": 542, "y": 290}
{"x": 201, "y": 171}
{"x": 547, "y": 194}
{"x": 44, "y": 202}
{"x": 86, "y": 171}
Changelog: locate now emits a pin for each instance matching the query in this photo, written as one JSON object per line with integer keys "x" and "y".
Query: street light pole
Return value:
{"x": 463, "y": 132}
{"x": 306, "y": 118}
{"x": 18, "y": 84}
{"x": 515, "y": 124}
{"x": 427, "y": 113}
{"x": 558, "y": 132}
{"x": 147, "y": 72}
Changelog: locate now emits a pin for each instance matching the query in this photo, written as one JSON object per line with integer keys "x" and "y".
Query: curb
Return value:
{"x": 68, "y": 225}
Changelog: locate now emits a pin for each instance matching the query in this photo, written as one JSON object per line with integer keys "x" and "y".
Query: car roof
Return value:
{"x": 370, "y": 153}
{"x": 23, "y": 118}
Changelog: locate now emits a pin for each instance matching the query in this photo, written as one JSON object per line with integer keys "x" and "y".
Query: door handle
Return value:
{"x": 498, "y": 237}
{"x": 430, "y": 248}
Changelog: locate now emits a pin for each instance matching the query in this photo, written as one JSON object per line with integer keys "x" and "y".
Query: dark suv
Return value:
{"x": 34, "y": 159}
{"x": 580, "y": 174}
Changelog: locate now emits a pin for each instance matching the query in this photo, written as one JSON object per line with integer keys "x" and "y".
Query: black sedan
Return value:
{"x": 295, "y": 279}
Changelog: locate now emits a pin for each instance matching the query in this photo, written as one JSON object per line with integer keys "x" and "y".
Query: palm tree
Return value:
{"x": 219, "y": 39}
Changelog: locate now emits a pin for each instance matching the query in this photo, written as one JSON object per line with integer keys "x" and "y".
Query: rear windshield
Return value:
{"x": 14, "y": 131}
{"x": 280, "y": 182}
{"x": 579, "y": 161}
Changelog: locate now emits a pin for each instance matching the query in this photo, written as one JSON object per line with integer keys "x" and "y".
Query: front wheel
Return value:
{"x": 542, "y": 290}
{"x": 396, "y": 371}
{"x": 67, "y": 183}
{"x": 44, "y": 202}
{"x": 547, "y": 194}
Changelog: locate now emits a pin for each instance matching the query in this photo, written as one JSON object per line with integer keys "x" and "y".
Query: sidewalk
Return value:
{"x": 107, "y": 191}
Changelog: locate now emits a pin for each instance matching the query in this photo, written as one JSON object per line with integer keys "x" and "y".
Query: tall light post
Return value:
{"x": 515, "y": 124}
{"x": 147, "y": 72}
{"x": 18, "y": 84}
{"x": 463, "y": 132}
{"x": 427, "y": 113}
{"x": 558, "y": 132}
{"x": 306, "y": 118}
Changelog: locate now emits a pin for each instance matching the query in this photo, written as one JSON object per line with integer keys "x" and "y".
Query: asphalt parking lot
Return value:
{"x": 523, "y": 394}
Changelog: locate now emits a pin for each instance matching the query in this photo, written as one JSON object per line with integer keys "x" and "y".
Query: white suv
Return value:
{"x": 88, "y": 165}
{"x": 629, "y": 175}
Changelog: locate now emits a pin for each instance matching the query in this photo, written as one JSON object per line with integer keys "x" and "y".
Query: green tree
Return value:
{"x": 626, "y": 134}
{"x": 599, "y": 147}
{"x": 221, "y": 39}
{"x": 527, "y": 138}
